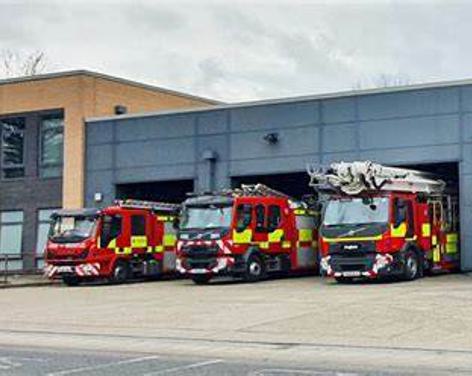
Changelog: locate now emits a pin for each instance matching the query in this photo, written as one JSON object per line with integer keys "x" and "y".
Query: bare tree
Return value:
{"x": 382, "y": 81}
{"x": 16, "y": 64}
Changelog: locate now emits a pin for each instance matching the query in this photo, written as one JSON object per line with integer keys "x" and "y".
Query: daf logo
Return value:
{"x": 351, "y": 247}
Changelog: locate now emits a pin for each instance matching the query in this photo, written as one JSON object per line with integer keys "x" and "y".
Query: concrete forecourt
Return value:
{"x": 294, "y": 326}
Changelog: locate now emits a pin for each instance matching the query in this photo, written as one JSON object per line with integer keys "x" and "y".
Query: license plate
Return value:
{"x": 352, "y": 274}
{"x": 64, "y": 269}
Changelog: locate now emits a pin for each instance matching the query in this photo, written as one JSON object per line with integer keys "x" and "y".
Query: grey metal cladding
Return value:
{"x": 154, "y": 173}
{"x": 216, "y": 143}
{"x": 422, "y": 102}
{"x": 155, "y": 128}
{"x": 339, "y": 137}
{"x": 339, "y": 110}
{"x": 99, "y": 157}
{"x": 432, "y": 130}
{"x": 155, "y": 152}
{"x": 414, "y": 155}
{"x": 292, "y": 142}
{"x": 212, "y": 122}
{"x": 99, "y": 132}
{"x": 274, "y": 116}
{"x": 263, "y": 166}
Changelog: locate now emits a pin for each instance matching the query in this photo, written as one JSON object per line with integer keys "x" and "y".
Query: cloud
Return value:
{"x": 248, "y": 49}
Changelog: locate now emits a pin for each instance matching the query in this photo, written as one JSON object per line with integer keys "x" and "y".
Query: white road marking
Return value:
{"x": 101, "y": 366}
{"x": 8, "y": 363}
{"x": 183, "y": 368}
{"x": 283, "y": 371}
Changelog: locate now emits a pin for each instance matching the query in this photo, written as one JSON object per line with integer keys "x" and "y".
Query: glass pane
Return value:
{"x": 43, "y": 229}
{"x": 13, "y": 265}
{"x": 12, "y": 141}
{"x": 12, "y": 173}
{"x": 10, "y": 239}
{"x": 51, "y": 172}
{"x": 51, "y": 146}
{"x": 44, "y": 215}
{"x": 11, "y": 216}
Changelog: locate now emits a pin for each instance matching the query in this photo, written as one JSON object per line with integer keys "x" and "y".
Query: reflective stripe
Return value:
{"x": 434, "y": 240}
{"x": 264, "y": 245}
{"x": 436, "y": 254}
{"x": 170, "y": 240}
{"x": 451, "y": 243}
{"x": 112, "y": 244}
{"x": 305, "y": 235}
{"x": 276, "y": 236}
{"x": 159, "y": 248}
{"x": 360, "y": 239}
{"x": 426, "y": 230}
{"x": 243, "y": 237}
{"x": 139, "y": 241}
{"x": 286, "y": 244}
{"x": 398, "y": 232}
{"x": 452, "y": 238}
{"x": 123, "y": 251}
{"x": 149, "y": 249}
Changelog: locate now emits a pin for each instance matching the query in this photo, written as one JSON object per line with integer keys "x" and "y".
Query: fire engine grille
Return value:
{"x": 349, "y": 264}
{"x": 200, "y": 257}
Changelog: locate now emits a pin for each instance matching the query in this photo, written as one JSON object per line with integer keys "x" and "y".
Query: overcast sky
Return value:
{"x": 237, "y": 51}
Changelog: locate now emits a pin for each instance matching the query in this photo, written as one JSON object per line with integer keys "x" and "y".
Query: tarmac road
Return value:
{"x": 295, "y": 326}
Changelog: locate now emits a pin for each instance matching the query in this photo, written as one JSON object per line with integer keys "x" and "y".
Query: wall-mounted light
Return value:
{"x": 98, "y": 197}
{"x": 271, "y": 138}
{"x": 120, "y": 109}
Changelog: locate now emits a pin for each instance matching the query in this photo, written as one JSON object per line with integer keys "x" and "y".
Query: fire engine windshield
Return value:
{"x": 71, "y": 228}
{"x": 356, "y": 211}
{"x": 206, "y": 217}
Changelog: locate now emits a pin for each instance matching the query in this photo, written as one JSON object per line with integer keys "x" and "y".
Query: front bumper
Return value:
{"x": 53, "y": 270}
{"x": 367, "y": 266}
{"x": 217, "y": 265}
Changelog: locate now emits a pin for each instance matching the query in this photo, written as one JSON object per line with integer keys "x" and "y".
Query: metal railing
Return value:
{"x": 8, "y": 261}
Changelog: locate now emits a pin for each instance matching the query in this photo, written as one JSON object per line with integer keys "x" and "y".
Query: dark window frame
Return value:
{"x": 271, "y": 211}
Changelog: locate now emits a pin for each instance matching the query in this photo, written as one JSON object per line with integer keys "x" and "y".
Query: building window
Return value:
{"x": 12, "y": 147}
{"x": 11, "y": 231}
{"x": 51, "y": 146}
{"x": 44, "y": 221}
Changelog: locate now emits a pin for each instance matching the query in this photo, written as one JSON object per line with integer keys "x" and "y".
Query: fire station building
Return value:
{"x": 42, "y": 148}
{"x": 163, "y": 155}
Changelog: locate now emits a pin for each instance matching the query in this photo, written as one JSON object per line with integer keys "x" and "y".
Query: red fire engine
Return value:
{"x": 248, "y": 232}
{"x": 385, "y": 221}
{"x": 130, "y": 238}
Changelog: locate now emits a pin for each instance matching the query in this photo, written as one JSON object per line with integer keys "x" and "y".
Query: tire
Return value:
{"x": 71, "y": 281}
{"x": 255, "y": 269}
{"x": 411, "y": 268}
{"x": 120, "y": 272}
{"x": 201, "y": 279}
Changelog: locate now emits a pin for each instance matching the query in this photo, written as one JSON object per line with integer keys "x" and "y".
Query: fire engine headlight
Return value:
{"x": 324, "y": 262}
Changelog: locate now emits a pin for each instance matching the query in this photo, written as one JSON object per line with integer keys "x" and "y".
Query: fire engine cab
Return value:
{"x": 385, "y": 221}
{"x": 130, "y": 238}
{"x": 248, "y": 232}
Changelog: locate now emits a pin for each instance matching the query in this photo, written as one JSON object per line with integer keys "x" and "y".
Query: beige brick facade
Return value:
{"x": 81, "y": 95}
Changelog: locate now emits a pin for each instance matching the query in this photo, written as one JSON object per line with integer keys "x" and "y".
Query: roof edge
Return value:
{"x": 286, "y": 100}
{"x": 85, "y": 72}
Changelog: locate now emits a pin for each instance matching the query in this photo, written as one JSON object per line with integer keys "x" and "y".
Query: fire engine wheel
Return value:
{"x": 201, "y": 279}
{"x": 71, "y": 281}
{"x": 255, "y": 269}
{"x": 411, "y": 267}
{"x": 120, "y": 272}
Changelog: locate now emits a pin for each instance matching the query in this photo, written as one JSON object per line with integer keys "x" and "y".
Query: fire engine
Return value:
{"x": 246, "y": 233}
{"x": 130, "y": 238}
{"x": 385, "y": 221}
